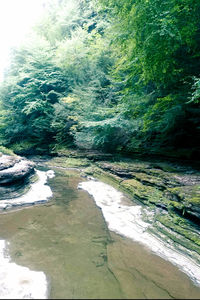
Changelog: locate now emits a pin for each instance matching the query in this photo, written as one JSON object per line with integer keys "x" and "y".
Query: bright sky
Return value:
{"x": 16, "y": 18}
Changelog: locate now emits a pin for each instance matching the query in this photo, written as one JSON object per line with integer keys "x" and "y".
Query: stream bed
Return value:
{"x": 77, "y": 248}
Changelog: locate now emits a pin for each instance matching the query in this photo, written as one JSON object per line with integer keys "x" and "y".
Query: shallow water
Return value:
{"x": 17, "y": 282}
{"x": 68, "y": 239}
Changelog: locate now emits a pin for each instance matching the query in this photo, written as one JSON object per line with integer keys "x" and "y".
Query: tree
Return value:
{"x": 157, "y": 46}
{"x": 31, "y": 89}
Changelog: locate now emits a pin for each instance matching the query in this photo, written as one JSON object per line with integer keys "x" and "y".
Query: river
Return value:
{"x": 72, "y": 247}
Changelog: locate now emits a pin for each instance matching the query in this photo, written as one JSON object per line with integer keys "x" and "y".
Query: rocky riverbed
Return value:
{"x": 139, "y": 215}
{"x": 170, "y": 188}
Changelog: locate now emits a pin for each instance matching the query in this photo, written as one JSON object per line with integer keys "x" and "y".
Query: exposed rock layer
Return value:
{"x": 14, "y": 168}
{"x": 176, "y": 187}
{"x": 172, "y": 189}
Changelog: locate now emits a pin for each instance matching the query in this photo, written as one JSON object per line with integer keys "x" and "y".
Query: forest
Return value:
{"x": 118, "y": 76}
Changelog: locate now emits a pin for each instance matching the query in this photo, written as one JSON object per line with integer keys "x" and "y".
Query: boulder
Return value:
{"x": 7, "y": 161}
{"x": 14, "y": 168}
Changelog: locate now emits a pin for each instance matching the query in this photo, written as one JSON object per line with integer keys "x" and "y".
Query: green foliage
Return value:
{"x": 157, "y": 47}
{"x": 32, "y": 87}
{"x": 63, "y": 18}
{"x": 110, "y": 75}
{"x": 86, "y": 62}
{"x": 159, "y": 39}
{"x": 4, "y": 150}
{"x": 110, "y": 135}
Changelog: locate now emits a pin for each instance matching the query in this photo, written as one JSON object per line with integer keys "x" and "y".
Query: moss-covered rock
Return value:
{"x": 189, "y": 198}
{"x": 170, "y": 186}
{"x": 180, "y": 230}
{"x": 70, "y": 162}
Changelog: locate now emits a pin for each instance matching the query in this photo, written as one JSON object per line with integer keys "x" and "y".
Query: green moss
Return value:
{"x": 89, "y": 170}
{"x": 188, "y": 194}
{"x": 107, "y": 177}
{"x": 76, "y": 162}
{"x": 195, "y": 200}
{"x": 70, "y": 162}
{"x": 149, "y": 179}
{"x": 128, "y": 164}
{"x": 182, "y": 227}
{"x": 136, "y": 187}
{"x": 146, "y": 194}
{"x": 177, "y": 205}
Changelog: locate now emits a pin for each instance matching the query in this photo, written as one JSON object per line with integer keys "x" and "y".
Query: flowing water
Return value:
{"x": 80, "y": 244}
